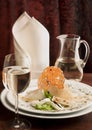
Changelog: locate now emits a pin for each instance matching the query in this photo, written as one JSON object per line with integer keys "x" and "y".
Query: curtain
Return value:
{"x": 58, "y": 16}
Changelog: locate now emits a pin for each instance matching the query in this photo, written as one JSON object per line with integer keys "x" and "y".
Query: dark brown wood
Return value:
{"x": 78, "y": 123}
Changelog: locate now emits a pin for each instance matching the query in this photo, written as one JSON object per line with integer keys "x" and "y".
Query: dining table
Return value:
{"x": 82, "y": 122}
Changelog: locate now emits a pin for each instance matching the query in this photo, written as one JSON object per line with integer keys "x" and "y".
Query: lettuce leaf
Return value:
{"x": 47, "y": 94}
{"x": 45, "y": 106}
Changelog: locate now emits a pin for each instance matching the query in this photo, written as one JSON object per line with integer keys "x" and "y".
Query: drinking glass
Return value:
{"x": 16, "y": 78}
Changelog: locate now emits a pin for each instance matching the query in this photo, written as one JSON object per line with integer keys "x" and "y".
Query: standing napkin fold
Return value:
{"x": 31, "y": 38}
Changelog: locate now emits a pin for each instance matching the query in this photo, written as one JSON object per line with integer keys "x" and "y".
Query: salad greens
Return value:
{"x": 45, "y": 106}
{"x": 47, "y": 94}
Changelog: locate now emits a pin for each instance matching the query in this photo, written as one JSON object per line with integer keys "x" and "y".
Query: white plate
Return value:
{"x": 59, "y": 116}
{"x": 81, "y": 89}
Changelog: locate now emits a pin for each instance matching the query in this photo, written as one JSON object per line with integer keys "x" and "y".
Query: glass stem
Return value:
{"x": 16, "y": 110}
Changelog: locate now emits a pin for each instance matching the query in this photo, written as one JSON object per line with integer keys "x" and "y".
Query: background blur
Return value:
{"x": 58, "y": 16}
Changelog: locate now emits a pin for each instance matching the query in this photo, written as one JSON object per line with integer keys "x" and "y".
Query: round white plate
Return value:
{"x": 59, "y": 116}
{"x": 82, "y": 90}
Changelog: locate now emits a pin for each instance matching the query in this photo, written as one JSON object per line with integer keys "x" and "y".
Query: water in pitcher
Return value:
{"x": 72, "y": 69}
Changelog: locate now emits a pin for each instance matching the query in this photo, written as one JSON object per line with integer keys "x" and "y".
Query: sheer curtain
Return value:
{"x": 58, "y": 16}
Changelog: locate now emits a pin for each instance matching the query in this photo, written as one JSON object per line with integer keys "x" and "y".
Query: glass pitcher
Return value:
{"x": 69, "y": 59}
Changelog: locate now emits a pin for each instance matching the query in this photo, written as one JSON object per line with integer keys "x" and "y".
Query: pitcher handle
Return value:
{"x": 87, "y": 52}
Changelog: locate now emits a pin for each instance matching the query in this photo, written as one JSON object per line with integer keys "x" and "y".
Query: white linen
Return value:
{"x": 31, "y": 38}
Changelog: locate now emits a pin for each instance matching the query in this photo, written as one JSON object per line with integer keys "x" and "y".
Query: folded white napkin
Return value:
{"x": 31, "y": 38}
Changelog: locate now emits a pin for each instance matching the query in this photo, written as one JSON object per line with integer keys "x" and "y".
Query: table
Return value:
{"x": 78, "y": 123}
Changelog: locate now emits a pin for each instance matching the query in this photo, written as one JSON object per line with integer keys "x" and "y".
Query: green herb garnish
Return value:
{"x": 48, "y": 95}
{"x": 45, "y": 106}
